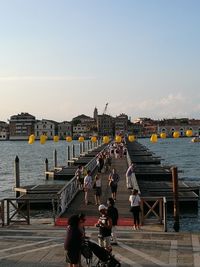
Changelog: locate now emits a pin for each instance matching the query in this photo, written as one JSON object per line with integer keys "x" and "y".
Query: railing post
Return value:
{"x": 2, "y": 214}
{"x": 176, "y": 200}
{"x": 165, "y": 214}
{"x": 8, "y": 211}
{"x": 17, "y": 175}
{"x": 47, "y": 168}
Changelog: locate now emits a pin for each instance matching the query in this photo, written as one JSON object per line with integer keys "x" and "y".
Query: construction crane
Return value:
{"x": 105, "y": 109}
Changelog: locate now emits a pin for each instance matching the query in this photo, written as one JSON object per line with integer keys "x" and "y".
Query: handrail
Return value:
{"x": 71, "y": 189}
{"x": 156, "y": 206}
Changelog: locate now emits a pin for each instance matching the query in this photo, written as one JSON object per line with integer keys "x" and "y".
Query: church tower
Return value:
{"x": 95, "y": 114}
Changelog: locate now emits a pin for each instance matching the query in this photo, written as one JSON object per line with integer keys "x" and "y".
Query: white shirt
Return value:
{"x": 88, "y": 182}
{"x": 135, "y": 200}
{"x": 98, "y": 182}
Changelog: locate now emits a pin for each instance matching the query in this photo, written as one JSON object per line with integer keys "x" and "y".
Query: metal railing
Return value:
{"x": 70, "y": 190}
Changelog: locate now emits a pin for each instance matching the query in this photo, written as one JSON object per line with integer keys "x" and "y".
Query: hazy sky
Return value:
{"x": 61, "y": 58}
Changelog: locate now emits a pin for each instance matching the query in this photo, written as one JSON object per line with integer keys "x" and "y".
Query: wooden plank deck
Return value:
{"x": 122, "y": 203}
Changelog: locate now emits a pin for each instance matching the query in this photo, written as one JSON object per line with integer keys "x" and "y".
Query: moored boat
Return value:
{"x": 196, "y": 139}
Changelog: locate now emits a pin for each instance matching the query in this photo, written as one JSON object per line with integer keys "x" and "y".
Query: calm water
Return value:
{"x": 180, "y": 152}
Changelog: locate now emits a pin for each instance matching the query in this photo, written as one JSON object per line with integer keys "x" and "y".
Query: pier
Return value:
{"x": 151, "y": 246}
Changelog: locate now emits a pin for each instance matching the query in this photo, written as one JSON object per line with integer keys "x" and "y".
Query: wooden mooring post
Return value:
{"x": 17, "y": 176}
{"x": 55, "y": 158}
{"x": 176, "y": 200}
{"x": 47, "y": 168}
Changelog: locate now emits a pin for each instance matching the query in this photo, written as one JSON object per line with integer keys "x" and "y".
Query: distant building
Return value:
{"x": 81, "y": 130}
{"x": 83, "y": 119}
{"x": 169, "y": 126}
{"x": 46, "y": 127}
{"x": 121, "y": 124}
{"x": 64, "y": 129}
{"x": 21, "y": 126}
{"x": 105, "y": 125}
{"x": 4, "y": 130}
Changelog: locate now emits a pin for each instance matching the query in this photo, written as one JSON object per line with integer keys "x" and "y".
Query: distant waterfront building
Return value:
{"x": 64, "y": 129}
{"x": 105, "y": 125}
{"x": 46, "y": 127}
{"x": 21, "y": 126}
{"x": 80, "y": 130}
{"x": 83, "y": 119}
{"x": 4, "y": 131}
{"x": 169, "y": 126}
{"x": 121, "y": 124}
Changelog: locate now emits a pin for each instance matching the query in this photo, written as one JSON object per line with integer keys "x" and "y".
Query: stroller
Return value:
{"x": 105, "y": 258}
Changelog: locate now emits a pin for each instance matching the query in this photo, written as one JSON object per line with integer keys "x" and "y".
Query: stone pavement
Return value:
{"x": 41, "y": 245}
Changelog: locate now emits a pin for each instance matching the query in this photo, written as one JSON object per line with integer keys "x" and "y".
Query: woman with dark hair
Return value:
{"x": 113, "y": 180}
{"x": 73, "y": 241}
{"x": 134, "y": 199}
{"x": 114, "y": 215}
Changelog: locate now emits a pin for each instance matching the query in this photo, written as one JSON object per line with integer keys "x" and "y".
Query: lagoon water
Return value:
{"x": 179, "y": 152}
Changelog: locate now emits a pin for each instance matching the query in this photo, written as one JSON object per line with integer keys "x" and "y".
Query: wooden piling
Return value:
{"x": 176, "y": 200}
{"x": 17, "y": 175}
{"x": 68, "y": 155}
{"x": 55, "y": 158}
{"x": 47, "y": 168}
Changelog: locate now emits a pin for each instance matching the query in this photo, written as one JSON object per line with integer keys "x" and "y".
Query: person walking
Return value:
{"x": 129, "y": 175}
{"x": 79, "y": 177}
{"x": 113, "y": 180}
{"x": 73, "y": 241}
{"x": 97, "y": 189}
{"x": 112, "y": 212}
{"x": 135, "y": 201}
{"x": 87, "y": 185}
{"x": 105, "y": 225}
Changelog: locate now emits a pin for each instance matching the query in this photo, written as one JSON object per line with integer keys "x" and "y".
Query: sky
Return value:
{"x": 61, "y": 58}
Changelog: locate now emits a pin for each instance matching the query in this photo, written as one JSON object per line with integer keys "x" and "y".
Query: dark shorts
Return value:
{"x": 113, "y": 188}
{"x": 98, "y": 191}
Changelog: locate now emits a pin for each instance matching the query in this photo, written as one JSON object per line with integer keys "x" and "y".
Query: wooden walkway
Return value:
{"x": 122, "y": 203}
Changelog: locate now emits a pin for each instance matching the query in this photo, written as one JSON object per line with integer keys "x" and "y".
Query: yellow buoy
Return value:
{"x": 131, "y": 138}
{"x": 106, "y": 139}
{"x": 163, "y": 135}
{"x": 68, "y": 138}
{"x": 118, "y": 139}
{"x": 81, "y": 139}
{"x": 43, "y": 139}
{"x": 56, "y": 138}
{"x": 176, "y": 134}
{"x": 189, "y": 133}
{"x": 154, "y": 138}
{"x": 31, "y": 139}
{"x": 93, "y": 139}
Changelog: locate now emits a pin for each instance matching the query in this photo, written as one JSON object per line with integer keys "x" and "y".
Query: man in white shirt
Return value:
{"x": 87, "y": 185}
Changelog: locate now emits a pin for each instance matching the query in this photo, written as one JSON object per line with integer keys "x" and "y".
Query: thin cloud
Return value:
{"x": 46, "y": 78}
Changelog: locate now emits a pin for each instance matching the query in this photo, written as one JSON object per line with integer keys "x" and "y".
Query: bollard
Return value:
{"x": 17, "y": 176}
{"x": 176, "y": 200}
{"x": 47, "y": 168}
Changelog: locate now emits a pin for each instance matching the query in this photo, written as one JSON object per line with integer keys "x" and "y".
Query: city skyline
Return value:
{"x": 61, "y": 59}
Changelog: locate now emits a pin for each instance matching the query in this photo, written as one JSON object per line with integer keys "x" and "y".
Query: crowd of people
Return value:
{"x": 108, "y": 218}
